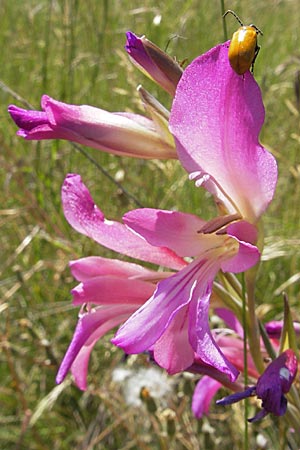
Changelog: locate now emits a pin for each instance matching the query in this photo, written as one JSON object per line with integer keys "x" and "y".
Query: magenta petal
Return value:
{"x": 108, "y": 289}
{"x": 90, "y": 327}
{"x": 27, "y": 119}
{"x": 275, "y": 327}
{"x": 84, "y": 216}
{"x": 216, "y": 119}
{"x": 172, "y": 229}
{"x": 173, "y": 350}
{"x": 248, "y": 255}
{"x": 201, "y": 337}
{"x": 79, "y": 368}
{"x": 150, "y": 321}
{"x": 204, "y": 392}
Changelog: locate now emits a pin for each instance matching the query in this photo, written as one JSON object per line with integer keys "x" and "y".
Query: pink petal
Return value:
{"x": 173, "y": 351}
{"x": 155, "y": 63}
{"x": 150, "y": 321}
{"x": 230, "y": 320}
{"x": 175, "y": 230}
{"x": 200, "y": 336}
{"x": 248, "y": 255}
{"x": 216, "y": 118}
{"x": 92, "y": 266}
{"x": 204, "y": 392}
{"x": 108, "y": 290}
{"x": 118, "y": 133}
{"x": 84, "y": 216}
{"x": 232, "y": 348}
{"x": 181, "y": 233}
{"x": 90, "y": 328}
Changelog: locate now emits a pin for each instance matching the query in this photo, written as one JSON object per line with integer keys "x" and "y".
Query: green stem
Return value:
{"x": 254, "y": 334}
{"x": 244, "y": 315}
{"x": 228, "y": 300}
{"x": 267, "y": 343}
{"x": 224, "y": 21}
{"x": 234, "y": 283}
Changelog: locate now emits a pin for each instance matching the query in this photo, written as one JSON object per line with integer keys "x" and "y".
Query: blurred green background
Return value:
{"x": 73, "y": 51}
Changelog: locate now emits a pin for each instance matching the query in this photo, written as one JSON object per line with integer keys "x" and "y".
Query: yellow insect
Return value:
{"x": 243, "y": 48}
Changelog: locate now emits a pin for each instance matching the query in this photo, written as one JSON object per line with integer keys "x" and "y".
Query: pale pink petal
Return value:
{"x": 92, "y": 266}
{"x": 173, "y": 351}
{"x": 175, "y": 230}
{"x": 84, "y": 216}
{"x": 216, "y": 118}
{"x": 204, "y": 392}
{"x": 90, "y": 327}
{"x": 109, "y": 289}
{"x": 117, "y": 133}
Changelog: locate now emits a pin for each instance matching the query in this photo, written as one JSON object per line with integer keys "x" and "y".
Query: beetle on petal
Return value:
{"x": 243, "y": 48}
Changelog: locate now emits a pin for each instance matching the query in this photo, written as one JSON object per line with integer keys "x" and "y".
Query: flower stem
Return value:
{"x": 224, "y": 21}
{"x": 253, "y": 326}
{"x": 244, "y": 315}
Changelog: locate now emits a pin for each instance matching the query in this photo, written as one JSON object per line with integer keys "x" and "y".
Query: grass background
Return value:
{"x": 73, "y": 51}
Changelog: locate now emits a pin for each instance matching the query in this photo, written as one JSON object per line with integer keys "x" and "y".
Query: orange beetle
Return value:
{"x": 243, "y": 48}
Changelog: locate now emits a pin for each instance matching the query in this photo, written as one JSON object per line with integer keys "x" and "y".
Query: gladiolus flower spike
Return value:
{"x": 174, "y": 322}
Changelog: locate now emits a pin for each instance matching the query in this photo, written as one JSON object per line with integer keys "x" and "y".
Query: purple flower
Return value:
{"x": 271, "y": 386}
{"x": 118, "y": 133}
{"x": 152, "y": 61}
{"x": 216, "y": 118}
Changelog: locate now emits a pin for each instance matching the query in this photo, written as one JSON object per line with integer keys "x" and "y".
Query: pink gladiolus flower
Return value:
{"x": 216, "y": 118}
{"x": 152, "y": 61}
{"x": 119, "y": 133}
{"x": 174, "y": 321}
{"x": 109, "y": 292}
